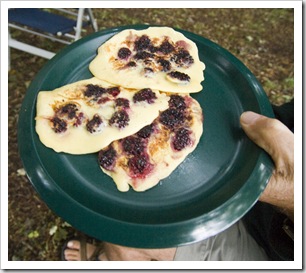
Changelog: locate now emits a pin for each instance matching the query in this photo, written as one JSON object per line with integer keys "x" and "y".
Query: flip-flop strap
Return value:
{"x": 83, "y": 248}
{"x": 99, "y": 250}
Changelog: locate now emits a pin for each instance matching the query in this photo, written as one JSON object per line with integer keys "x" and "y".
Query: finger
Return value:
{"x": 271, "y": 135}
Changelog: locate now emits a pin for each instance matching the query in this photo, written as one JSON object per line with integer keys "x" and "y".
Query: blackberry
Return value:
{"x": 133, "y": 145}
{"x": 145, "y": 94}
{"x": 146, "y": 131}
{"x": 120, "y": 119}
{"x": 171, "y": 118}
{"x": 182, "y": 58}
{"x": 59, "y": 125}
{"x": 166, "y": 47}
{"x": 94, "y": 123}
{"x": 178, "y": 102}
{"x": 142, "y": 43}
{"x": 122, "y": 102}
{"x": 181, "y": 139}
{"x": 166, "y": 65}
{"x": 179, "y": 75}
{"x": 143, "y": 55}
{"x": 78, "y": 119}
{"x": 124, "y": 53}
{"x": 107, "y": 158}
{"x": 131, "y": 64}
{"x": 94, "y": 91}
{"x": 114, "y": 91}
{"x": 139, "y": 165}
{"x": 69, "y": 110}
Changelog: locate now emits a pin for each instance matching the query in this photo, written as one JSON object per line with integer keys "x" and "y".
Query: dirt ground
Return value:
{"x": 261, "y": 38}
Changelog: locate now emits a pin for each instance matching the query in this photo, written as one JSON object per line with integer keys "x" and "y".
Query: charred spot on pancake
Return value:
{"x": 107, "y": 158}
{"x": 145, "y": 94}
{"x": 119, "y": 119}
{"x": 93, "y": 125}
{"x": 148, "y": 71}
{"x": 58, "y": 125}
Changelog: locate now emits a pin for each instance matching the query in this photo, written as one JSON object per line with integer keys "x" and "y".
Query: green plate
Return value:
{"x": 213, "y": 188}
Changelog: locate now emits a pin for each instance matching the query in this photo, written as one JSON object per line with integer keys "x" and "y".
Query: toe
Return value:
{"x": 74, "y": 244}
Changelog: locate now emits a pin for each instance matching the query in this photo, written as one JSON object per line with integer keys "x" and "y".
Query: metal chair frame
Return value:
{"x": 83, "y": 15}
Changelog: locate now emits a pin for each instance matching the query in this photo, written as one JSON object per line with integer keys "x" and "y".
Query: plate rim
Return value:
{"x": 187, "y": 234}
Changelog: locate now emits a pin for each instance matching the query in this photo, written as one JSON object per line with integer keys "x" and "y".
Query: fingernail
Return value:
{"x": 249, "y": 117}
{"x": 70, "y": 244}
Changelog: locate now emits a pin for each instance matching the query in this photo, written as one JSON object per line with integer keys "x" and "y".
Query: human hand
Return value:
{"x": 278, "y": 141}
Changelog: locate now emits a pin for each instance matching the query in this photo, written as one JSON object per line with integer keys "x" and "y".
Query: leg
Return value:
{"x": 233, "y": 244}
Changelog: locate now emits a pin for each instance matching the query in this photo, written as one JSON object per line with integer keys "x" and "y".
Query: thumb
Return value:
{"x": 271, "y": 135}
{"x": 278, "y": 141}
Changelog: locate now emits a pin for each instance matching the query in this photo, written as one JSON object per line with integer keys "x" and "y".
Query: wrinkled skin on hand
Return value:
{"x": 278, "y": 141}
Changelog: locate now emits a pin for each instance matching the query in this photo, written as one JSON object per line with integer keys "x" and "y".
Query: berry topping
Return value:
{"x": 182, "y": 58}
{"x": 177, "y": 102}
{"x": 166, "y": 47}
{"x": 93, "y": 125}
{"x": 171, "y": 118}
{"x": 146, "y": 131}
{"x": 145, "y": 94}
{"x": 133, "y": 145}
{"x": 69, "y": 109}
{"x": 103, "y": 100}
{"x": 120, "y": 119}
{"x": 143, "y": 55}
{"x": 181, "y": 139}
{"x": 94, "y": 91}
{"x": 131, "y": 64}
{"x": 114, "y": 91}
{"x": 166, "y": 65}
{"x": 107, "y": 158}
{"x": 122, "y": 102}
{"x": 139, "y": 166}
{"x": 179, "y": 76}
{"x": 142, "y": 43}
{"x": 59, "y": 125}
{"x": 79, "y": 119}
{"x": 124, "y": 53}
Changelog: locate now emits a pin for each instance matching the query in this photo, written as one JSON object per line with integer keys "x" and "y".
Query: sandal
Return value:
{"x": 83, "y": 249}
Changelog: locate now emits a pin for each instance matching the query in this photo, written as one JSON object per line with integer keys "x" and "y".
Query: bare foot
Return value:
{"x": 73, "y": 252}
{"x": 112, "y": 252}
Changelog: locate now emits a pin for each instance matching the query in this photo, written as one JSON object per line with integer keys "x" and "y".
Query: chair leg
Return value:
{"x": 79, "y": 24}
{"x": 92, "y": 19}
